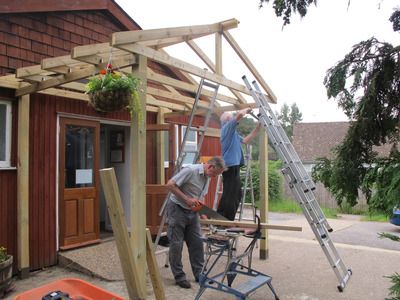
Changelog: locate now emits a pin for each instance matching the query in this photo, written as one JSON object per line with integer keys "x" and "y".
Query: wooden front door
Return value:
{"x": 79, "y": 184}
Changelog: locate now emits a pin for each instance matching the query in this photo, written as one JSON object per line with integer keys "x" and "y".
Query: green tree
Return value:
{"x": 288, "y": 116}
{"x": 275, "y": 180}
{"x": 284, "y": 8}
{"x": 366, "y": 85}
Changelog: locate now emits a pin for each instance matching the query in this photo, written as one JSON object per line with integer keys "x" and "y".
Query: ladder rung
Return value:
{"x": 197, "y": 129}
{"x": 210, "y": 84}
{"x": 204, "y": 107}
{"x": 190, "y": 151}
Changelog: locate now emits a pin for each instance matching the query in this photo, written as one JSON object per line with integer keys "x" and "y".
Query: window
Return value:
{"x": 191, "y": 144}
{"x": 5, "y": 134}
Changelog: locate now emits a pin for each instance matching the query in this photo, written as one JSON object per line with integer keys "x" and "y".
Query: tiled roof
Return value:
{"x": 313, "y": 140}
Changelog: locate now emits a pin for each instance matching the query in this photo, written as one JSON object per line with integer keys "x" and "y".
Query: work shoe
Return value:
{"x": 184, "y": 284}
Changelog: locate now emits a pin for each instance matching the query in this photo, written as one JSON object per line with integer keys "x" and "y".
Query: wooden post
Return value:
{"x": 120, "y": 230}
{"x": 138, "y": 175}
{"x": 23, "y": 186}
{"x": 160, "y": 147}
{"x": 264, "y": 191}
{"x": 218, "y": 53}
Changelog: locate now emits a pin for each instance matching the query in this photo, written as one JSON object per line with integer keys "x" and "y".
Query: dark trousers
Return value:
{"x": 231, "y": 193}
{"x": 183, "y": 226}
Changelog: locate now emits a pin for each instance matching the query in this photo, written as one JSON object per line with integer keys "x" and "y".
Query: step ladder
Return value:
{"x": 247, "y": 187}
{"x": 300, "y": 183}
{"x": 185, "y": 152}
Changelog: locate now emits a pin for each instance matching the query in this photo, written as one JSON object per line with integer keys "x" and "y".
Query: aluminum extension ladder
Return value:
{"x": 184, "y": 150}
{"x": 300, "y": 183}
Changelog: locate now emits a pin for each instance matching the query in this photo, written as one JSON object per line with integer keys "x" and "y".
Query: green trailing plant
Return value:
{"x": 3, "y": 254}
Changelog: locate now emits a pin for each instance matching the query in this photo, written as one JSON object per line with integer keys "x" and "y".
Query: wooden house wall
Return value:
{"x": 26, "y": 39}
{"x": 8, "y": 190}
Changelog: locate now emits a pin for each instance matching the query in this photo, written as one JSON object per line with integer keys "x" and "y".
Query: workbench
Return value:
{"x": 223, "y": 243}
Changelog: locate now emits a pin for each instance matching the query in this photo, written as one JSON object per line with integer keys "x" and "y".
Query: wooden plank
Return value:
{"x": 154, "y": 34}
{"x": 174, "y": 96}
{"x": 264, "y": 200}
{"x": 120, "y": 230}
{"x": 271, "y": 96}
{"x": 138, "y": 175}
{"x": 87, "y": 50}
{"x": 23, "y": 186}
{"x": 218, "y": 53}
{"x": 215, "y": 110}
{"x": 249, "y": 225}
{"x": 155, "y": 276}
{"x": 210, "y": 64}
{"x": 160, "y": 147}
{"x": 187, "y": 86}
{"x": 165, "y": 59}
{"x": 89, "y": 70}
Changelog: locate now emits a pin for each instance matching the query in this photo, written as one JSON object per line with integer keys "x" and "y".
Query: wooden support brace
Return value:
{"x": 120, "y": 230}
{"x": 153, "y": 268}
{"x": 249, "y": 225}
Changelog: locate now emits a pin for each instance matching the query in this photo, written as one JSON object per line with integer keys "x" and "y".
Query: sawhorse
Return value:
{"x": 223, "y": 244}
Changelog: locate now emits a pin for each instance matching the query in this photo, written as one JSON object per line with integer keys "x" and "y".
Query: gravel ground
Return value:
{"x": 296, "y": 263}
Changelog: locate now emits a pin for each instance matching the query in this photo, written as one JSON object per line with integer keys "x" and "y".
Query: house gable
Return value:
{"x": 31, "y": 31}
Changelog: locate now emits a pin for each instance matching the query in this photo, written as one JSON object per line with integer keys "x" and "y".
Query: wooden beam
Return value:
{"x": 160, "y": 147}
{"x": 211, "y": 65}
{"x": 174, "y": 96}
{"x": 120, "y": 230}
{"x": 249, "y": 225}
{"x": 187, "y": 87}
{"x": 215, "y": 110}
{"x": 23, "y": 187}
{"x": 160, "y": 103}
{"x": 154, "y": 34}
{"x": 138, "y": 175}
{"x": 78, "y": 74}
{"x": 218, "y": 53}
{"x": 88, "y": 50}
{"x": 271, "y": 96}
{"x": 165, "y": 59}
{"x": 154, "y": 271}
{"x": 264, "y": 200}
{"x": 60, "y": 64}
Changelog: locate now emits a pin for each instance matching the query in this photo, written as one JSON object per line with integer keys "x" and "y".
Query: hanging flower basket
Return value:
{"x": 112, "y": 91}
{"x": 109, "y": 101}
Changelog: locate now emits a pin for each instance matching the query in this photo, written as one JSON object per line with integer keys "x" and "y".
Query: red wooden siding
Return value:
{"x": 27, "y": 38}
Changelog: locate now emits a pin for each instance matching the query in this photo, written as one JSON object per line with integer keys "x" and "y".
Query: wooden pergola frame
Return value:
{"x": 66, "y": 76}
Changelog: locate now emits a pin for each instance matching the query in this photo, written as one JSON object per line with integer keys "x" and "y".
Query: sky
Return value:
{"x": 292, "y": 60}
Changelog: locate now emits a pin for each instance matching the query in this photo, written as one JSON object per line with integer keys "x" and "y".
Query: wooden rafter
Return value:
{"x": 70, "y": 73}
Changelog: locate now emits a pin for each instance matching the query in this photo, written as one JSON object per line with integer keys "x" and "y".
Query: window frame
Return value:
{"x": 188, "y": 143}
{"x": 8, "y": 123}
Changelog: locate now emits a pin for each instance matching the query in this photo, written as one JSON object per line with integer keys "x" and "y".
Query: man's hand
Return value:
{"x": 193, "y": 202}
